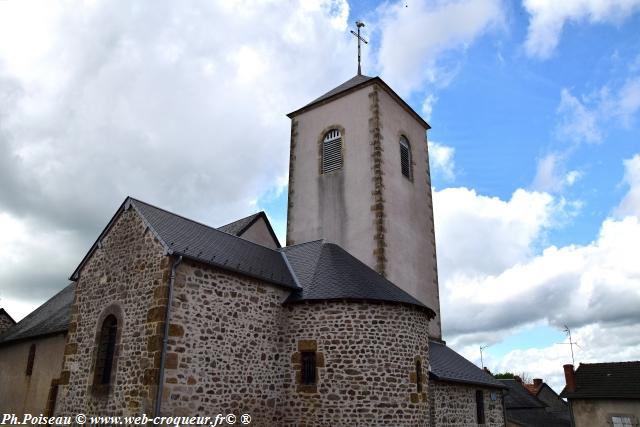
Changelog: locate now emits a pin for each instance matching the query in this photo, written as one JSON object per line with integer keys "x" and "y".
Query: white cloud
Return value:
{"x": 551, "y": 176}
{"x": 442, "y": 160}
{"x": 630, "y": 204}
{"x": 489, "y": 266}
{"x": 425, "y": 30}
{"x": 180, "y": 104}
{"x": 578, "y": 123}
{"x": 582, "y": 119}
{"x": 548, "y": 17}
{"x": 427, "y": 106}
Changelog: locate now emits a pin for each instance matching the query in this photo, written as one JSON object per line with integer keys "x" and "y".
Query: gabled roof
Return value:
{"x": 50, "y": 318}
{"x": 618, "y": 380}
{"x": 237, "y": 228}
{"x": 447, "y": 365}
{"x": 3, "y": 312}
{"x": 353, "y": 84}
{"x": 536, "y": 417}
{"x": 325, "y": 271}
{"x": 183, "y": 237}
{"x": 518, "y": 396}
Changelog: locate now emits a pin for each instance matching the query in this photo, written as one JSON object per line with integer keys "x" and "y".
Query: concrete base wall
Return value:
{"x": 21, "y": 394}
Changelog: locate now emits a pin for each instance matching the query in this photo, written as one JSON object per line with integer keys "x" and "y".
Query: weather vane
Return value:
{"x": 359, "y": 24}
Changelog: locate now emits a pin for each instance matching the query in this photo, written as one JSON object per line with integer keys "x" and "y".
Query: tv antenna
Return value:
{"x": 359, "y": 24}
{"x": 571, "y": 342}
{"x": 482, "y": 347}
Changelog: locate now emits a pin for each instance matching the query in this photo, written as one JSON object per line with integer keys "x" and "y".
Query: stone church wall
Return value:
{"x": 366, "y": 357}
{"x": 225, "y": 350}
{"x": 126, "y": 277}
{"x": 455, "y": 405}
{"x": 5, "y": 322}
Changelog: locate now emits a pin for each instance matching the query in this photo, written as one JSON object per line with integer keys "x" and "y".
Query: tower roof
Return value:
{"x": 353, "y": 84}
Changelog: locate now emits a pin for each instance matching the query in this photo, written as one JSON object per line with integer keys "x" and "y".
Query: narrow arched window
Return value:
{"x": 30, "y": 359}
{"x": 405, "y": 157}
{"x": 332, "y": 151}
{"x": 419, "y": 376}
{"x": 106, "y": 350}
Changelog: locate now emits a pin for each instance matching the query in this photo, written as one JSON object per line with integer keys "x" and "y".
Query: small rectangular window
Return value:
{"x": 622, "y": 421}
{"x": 480, "y": 406}
{"x": 308, "y": 372}
{"x": 30, "y": 360}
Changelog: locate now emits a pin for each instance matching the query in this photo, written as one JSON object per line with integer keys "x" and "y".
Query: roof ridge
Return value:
{"x": 199, "y": 223}
{"x": 300, "y": 244}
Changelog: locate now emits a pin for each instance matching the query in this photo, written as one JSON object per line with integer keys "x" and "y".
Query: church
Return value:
{"x": 342, "y": 326}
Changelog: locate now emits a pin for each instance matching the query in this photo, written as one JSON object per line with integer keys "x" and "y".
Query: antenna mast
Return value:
{"x": 571, "y": 343}
{"x": 359, "y": 24}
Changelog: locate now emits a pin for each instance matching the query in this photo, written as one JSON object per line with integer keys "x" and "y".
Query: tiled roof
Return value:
{"x": 50, "y": 318}
{"x": 532, "y": 388}
{"x": 618, "y": 380}
{"x": 325, "y": 271}
{"x": 240, "y": 226}
{"x": 536, "y": 417}
{"x": 354, "y": 83}
{"x": 196, "y": 241}
{"x": 447, "y": 365}
{"x": 518, "y": 396}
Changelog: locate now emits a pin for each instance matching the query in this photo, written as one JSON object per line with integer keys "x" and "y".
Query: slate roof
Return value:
{"x": 50, "y": 318}
{"x": 325, "y": 271}
{"x": 240, "y": 226}
{"x": 518, "y": 396}
{"x": 537, "y": 417}
{"x": 196, "y": 241}
{"x": 237, "y": 228}
{"x": 617, "y": 380}
{"x": 447, "y": 365}
{"x": 355, "y": 83}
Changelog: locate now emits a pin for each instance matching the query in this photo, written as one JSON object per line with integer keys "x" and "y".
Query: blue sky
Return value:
{"x": 535, "y": 157}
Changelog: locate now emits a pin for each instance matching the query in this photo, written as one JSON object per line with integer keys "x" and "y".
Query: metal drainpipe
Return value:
{"x": 165, "y": 337}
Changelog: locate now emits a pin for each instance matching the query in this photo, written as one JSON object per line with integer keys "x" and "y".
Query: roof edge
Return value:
{"x": 359, "y": 86}
{"x": 263, "y": 215}
{"x": 465, "y": 382}
{"x": 424, "y": 308}
{"x": 126, "y": 204}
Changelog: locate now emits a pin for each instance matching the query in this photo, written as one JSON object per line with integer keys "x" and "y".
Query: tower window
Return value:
{"x": 419, "y": 376}
{"x": 480, "y": 406}
{"x": 308, "y": 370}
{"x": 30, "y": 359}
{"x": 405, "y": 157}
{"x": 106, "y": 350}
{"x": 332, "y": 151}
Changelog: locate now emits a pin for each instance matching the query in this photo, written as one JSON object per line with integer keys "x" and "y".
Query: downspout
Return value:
{"x": 165, "y": 337}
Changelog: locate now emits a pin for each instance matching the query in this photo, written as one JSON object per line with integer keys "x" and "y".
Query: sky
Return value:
{"x": 534, "y": 149}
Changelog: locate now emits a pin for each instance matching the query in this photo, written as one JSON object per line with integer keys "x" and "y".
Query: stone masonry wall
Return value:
{"x": 366, "y": 365}
{"x": 455, "y": 405}
{"x": 225, "y": 351}
{"x": 126, "y": 277}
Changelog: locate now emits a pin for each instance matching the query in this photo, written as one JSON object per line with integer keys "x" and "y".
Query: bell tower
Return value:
{"x": 359, "y": 177}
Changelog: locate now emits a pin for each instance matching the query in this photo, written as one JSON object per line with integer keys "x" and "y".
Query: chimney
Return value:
{"x": 570, "y": 377}
{"x": 518, "y": 379}
{"x": 537, "y": 382}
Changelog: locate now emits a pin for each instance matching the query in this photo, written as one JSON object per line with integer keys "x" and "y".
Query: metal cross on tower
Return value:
{"x": 359, "y": 24}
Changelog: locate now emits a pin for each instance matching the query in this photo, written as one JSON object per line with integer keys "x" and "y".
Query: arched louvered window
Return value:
{"x": 405, "y": 157}
{"x": 106, "y": 350}
{"x": 332, "y": 151}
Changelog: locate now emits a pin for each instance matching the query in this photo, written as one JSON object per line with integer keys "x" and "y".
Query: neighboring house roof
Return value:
{"x": 325, "y": 271}
{"x": 537, "y": 417}
{"x": 237, "y": 228}
{"x": 618, "y": 380}
{"x": 50, "y": 318}
{"x": 447, "y": 365}
{"x": 183, "y": 237}
{"x": 353, "y": 84}
{"x": 518, "y": 396}
{"x": 526, "y": 410}
{"x": 3, "y": 312}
